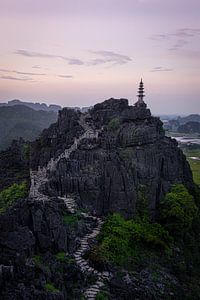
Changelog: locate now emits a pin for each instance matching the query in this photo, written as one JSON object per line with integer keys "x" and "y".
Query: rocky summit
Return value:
{"x": 118, "y": 149}
{"x": 84, "y": 168}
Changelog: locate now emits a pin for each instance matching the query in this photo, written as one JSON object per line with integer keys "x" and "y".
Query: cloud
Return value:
{"x": 15, "y": 78}
{"x": 22, "y": 73}
{"x": 161, "y": 69}
{"x": 71, "y": 61}
{"x": 108, "y": 57}
{"x": 65, "y": 76}
{"x": 179, "y": 38}
{"x": 179, "y": 44}
{"x": 104, "y": 57}
{"x": 179, "y": 33}
{"x": 36, "y": 67}
{"x": 34, "y": 54}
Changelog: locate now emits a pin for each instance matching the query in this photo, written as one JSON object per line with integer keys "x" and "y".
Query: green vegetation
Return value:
{"x": 11, "y": 194}
{"x": 51, "y": 288}
{"x": 71, "y": 219}
{"x": 61, "y": 256}
{"x": 195, "y": 167}
{"x": 137, "y": 242}
{"x": 37, "y": 260}
{"x": 114, "y": 124}
{"x": 142, "y": 210}
{"x": 178, "y": 210}
{"x": 194, "y": 164}
{"x": 101, "y": 296}
{"x": 192, "y": 151}
{"x": 125, "y": 242}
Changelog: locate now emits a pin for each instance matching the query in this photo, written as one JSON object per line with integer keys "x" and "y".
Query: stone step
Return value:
{"x": 92, "y": 291}
{"x": 85, "y": 247}
{"x": 84, "y": 243}
{"x": 100, "y": 283}
{"x": 83, "y": 264}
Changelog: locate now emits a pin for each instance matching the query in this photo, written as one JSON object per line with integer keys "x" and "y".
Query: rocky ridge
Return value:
{"x": 100, "y": 162}
{"x": 106, "y": 156}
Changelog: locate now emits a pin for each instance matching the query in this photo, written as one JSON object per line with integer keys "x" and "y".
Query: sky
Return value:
{"x": 80, "y": 52}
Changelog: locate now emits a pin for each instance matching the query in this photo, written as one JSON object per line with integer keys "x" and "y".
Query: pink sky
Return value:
{"x": 78, "y": 53}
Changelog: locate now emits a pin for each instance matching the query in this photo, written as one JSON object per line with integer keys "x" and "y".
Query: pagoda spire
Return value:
{"x": 140, "y": 95}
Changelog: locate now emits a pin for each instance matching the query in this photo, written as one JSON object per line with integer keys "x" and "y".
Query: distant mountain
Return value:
{"x": 35, "y": 106}
{"x": 176, "y": 123}
{"x": 189, "y": 127}
{"x": 190, "y": 118}
{"x": 21, "y": 121}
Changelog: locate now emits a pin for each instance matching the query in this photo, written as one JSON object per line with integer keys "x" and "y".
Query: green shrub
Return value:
{"x": 51, "y": 288}
{"x": 71, "y": 219}
{"x": 37, "y": 260}
{"x": 122, "y": 241}
{"x": 114, "y": 124}
{"x": 142, "y": 205}
{"x": 178, "y": 210}
{"x": 11, "y": 194}
{"x": 61, "y": 256}
{"x": 101, "y": 296}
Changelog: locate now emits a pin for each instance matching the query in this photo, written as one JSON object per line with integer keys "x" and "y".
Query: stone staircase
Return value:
{"x": 39, "y": 178}
{"x": 91, "y": 292}
{"x": 70, "y": 203}
{"x": 84, "y": 265}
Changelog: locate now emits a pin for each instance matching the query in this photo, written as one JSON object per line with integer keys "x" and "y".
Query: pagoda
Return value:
{"x": 141, "y": 95}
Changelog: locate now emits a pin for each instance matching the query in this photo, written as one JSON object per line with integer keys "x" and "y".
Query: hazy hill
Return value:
{"x": 190, "y": 118}
{"x": 190, "y": 127}
{"x": 35, "y": 106}
{"x": 22, "y": 121}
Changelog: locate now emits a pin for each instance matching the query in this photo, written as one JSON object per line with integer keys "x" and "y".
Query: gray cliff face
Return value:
{"x": 106, "y": 173}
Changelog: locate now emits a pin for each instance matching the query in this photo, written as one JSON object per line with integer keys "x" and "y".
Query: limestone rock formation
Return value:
{"x": 99, "y": 161}
{"x": 106, "y": 171}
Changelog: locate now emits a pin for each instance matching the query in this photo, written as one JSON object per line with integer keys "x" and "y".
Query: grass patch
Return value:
{"x": 71, "y": 219}
{"x": 61, "y": 256}
{"x": 49, "y": 287}
{"x": 195, "y": 167}
{"x": 37, "y": 260}
{"x": 101, "y": 296}
{"x": 11, "y": 194}
{"x": 114, "y": 124}
{"x": 194, "y": 164}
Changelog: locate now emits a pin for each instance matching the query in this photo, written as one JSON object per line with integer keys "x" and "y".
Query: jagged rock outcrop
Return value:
{"x": 32, "y": 234}
{"x": 107, "y": 172}
{"x": 99, "y": 161}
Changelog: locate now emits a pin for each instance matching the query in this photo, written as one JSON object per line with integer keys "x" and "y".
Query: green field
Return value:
{"x": 194, "y": 164}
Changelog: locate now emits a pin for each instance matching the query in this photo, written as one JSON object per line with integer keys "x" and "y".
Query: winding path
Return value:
{"x": 102, "y": 277}
{"x": 39, "y": 178}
